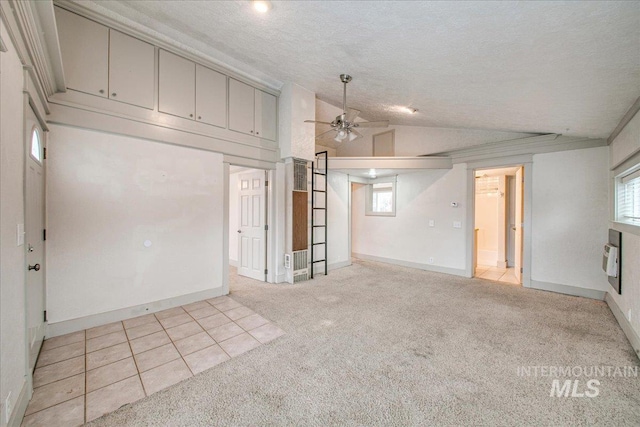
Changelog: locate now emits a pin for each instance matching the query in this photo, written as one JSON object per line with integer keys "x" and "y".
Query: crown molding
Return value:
{"x": 142, "y": 32}
{"x": 630, "y": 114}
{"x": 533, "y": 145}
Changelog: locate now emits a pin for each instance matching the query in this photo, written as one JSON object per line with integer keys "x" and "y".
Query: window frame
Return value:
{"x": 369, "y": 197}
{"x": 36, "y": 131}
{"x": 619, "y": 188}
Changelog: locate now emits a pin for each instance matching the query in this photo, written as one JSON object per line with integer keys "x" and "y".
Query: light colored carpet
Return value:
{"x": 374, "y": 344}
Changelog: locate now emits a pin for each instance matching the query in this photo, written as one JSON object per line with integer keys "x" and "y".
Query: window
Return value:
{"x": 381, "y": 199}
{"x": 36, "y": 146}
{"x": 628, "y": 201}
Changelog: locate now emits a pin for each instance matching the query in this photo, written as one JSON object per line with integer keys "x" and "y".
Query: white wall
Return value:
{"x": 107, "y": 195}
{"x": 624, "y": 146}
{"x": 12, "y": 274}
{"x": 407, "y": 237}
{"x": 338, "y": 195}
{"x": 331, "y": 152}
{"x": 569, "y": 217}
{"x": 296, "y": 138}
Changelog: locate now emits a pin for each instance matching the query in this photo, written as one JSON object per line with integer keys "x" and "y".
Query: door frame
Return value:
{"x": 526, "y": 161}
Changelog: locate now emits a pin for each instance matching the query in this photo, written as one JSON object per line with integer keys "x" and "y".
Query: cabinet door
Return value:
{"x": 131, "y": 70}
{"x": 85, "y": 53}
{"x": 241, "y": 105}
{"x": 177, "y": 85}
{"x": 211, "y": 97}
{"x": 266, "y": 115}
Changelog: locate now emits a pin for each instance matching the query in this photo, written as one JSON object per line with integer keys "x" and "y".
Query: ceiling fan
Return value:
{"x": 345, "y": 125}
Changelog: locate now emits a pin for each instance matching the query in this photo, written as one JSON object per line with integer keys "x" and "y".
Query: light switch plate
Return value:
{"x": 457, "y": 224}
{"x": 432, "y": 223}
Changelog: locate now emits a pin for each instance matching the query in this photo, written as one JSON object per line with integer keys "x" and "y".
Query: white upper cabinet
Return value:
{"x": 131, "y": 70}
{"x": 241, "y": 106}
{"x": 177, "y": 85}
{"x": 211, "y": 97}
{"x": 265, "y": 111}
{"x": 252, "y": 111}
{"x": 85, "y": 53}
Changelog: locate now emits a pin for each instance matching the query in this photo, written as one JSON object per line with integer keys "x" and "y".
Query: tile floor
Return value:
{"x": 84, "y": 375}
{"x": 504, "y": 275}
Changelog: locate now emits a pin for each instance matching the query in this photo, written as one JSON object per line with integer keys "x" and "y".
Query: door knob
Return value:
{"x": 34, "y": 267}
{"x": 239, "y": 231}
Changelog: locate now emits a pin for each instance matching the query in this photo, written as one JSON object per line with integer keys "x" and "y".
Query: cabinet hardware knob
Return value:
{"x": 113, "y": 94}
{"x": 257, "y": 133}
{"x": 199, "y": 117}
{"x": 190, "y": 115}
{"x": 101, "y": 91}
{"x": 251, "y": 131}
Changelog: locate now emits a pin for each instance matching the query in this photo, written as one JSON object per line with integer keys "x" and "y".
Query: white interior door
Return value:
{"x": 34, "y": 235}
{"x": 519, "y": 217}
{"x": 251, "y": 225}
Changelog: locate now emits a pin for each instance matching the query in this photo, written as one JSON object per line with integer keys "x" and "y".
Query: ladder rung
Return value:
{"x": 318, "y": 226}
{"x": 320, "y": 209}
{"x": 320, "y": 260}
{"x": 321, "y": 243}
{"x": 318, "y": 173}
{"x": 320, "y": 191}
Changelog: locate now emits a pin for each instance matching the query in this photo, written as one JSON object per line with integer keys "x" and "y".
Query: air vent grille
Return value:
{"x": 300, "y": 175}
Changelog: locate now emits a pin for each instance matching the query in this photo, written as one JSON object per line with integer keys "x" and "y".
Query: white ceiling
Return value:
{"x": 543, "y": 67}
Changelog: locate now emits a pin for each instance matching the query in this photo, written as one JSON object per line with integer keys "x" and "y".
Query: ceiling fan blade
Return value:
{"x": 352, "y": 113}
{"x": 318, "y": 122}
{"x": 380, "y": 124}
{"x": 324, "y": 133}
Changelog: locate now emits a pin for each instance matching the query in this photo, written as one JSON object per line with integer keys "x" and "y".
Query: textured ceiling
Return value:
{"x": 544, "y": 67}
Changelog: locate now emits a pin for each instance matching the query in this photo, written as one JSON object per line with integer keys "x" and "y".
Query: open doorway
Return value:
{"x": 248, "y": 219}
{"x": 498, "y": 218}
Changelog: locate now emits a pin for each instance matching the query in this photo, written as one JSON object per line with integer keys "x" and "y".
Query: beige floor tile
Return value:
{"x": 142, "y": 330}
{"x": 213, "y": 321}
{"x": 57, "y": 371}
{"x": 148, "y": 342}
{"x": 204, "y": 312}
{"x": 499, "y": 269}
{"x": 194, "y": 343}
{"x": 171, "y": 322}
{"x": 59, "y": 354}
{"x": 61, "y": 340}
{"x": 225, "y": 332}
{"x": 219, "y": 300}
{"x": 156, "y": 357}
{"x": 491, "y": 275}
{"x": 266, "y": 333}
{"x": 139, "y": 321}
{"x": 165, "y": 314}
{"x": 104, "y": 330}
{"x": 195, "y": 306}
{"x": 55, "y": 393}
{"x": 239, "y": 344}
{"x": 251, "y": 322}
{"x": 109, "y": 374}
{"x": 206, "y": 358}
{"x": 164, "y": 376}
{"x": 114, "y": 396}
{"x": 105, "y": 341}
{"x": 227, "y": 305}
{"x": 185, "y": 330}
{"x": 238, "y": 313}
{"x": 66, "y": 414}
{"x": 108, "y": 355}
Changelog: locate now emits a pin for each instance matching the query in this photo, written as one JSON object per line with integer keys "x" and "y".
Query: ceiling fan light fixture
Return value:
{"x": 262, "y": 6}
{"x": 352, "y": 136}
{"x": 340, "y": 136}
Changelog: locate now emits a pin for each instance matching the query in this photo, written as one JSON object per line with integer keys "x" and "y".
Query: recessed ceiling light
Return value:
{"x": 403, "y": 109}
{"x": 262, "y": 6}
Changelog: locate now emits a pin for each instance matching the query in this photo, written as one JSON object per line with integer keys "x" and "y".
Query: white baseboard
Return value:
{"x": 20, "y": 406}
{"x": 81, "y": 323}
{"x": 420, "y": 266}
{"x": 233, "y": 262}
{"x": 632, "y": 335}
{"x": 568, "y": 290}
{"x": 337, "y": 265}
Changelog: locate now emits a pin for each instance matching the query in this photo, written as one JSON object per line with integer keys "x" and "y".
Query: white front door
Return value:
{"x": 251, "y": 225}
{"x": 519, "y": 218}
{"x": 34, "y": 234}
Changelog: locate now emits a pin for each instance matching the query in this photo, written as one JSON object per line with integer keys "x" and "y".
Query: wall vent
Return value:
{"x": 300, "y": 175}
{"x": 300, "y": 266}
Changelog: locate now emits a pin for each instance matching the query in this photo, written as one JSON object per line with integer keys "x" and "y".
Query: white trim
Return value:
{"x": 430, "y": 162}
{"x": 3, "y": 47}
{"x": 420, "y": 266}
{"x": 233, "y": 262}
{"x": 20, "y": 405}
{"x": 568, "y": 290}
{"x": 625, "y": 228}
{"x": 86, "y": 322}
{"x": 632, "y": 335}
{"x": 225, "y": 228}
{"x": 633, "y": 110}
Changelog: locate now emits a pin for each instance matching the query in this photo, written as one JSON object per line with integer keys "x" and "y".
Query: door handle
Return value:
{"x": 34, "y": 267}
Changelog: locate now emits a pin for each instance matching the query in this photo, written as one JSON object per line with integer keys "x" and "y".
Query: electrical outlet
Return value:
{"x": 457, "y": 224}
{"x": 432, "y": 223}
{"x": 431, "y": 261}
{"x": 7, "y": 408}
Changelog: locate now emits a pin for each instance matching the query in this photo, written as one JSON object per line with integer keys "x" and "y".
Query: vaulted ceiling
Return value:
{"x": 542, "y": 67}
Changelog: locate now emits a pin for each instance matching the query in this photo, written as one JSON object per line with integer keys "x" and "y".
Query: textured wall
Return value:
{"x": 296, "y": 138}
{"x": 106, "y": 196}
